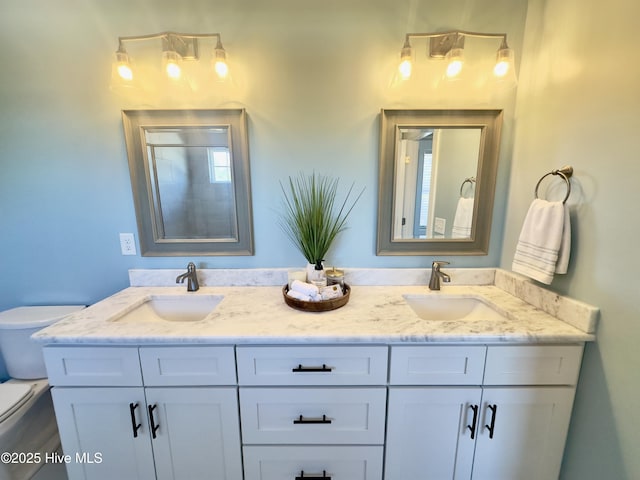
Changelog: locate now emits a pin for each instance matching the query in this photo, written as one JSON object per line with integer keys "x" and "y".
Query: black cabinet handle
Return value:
{"x": 302, "y": 476}
{"x": 154, "y": 427}
{"x": 135, "y": 426}
{"x": 474, "y": 422}
{"x": 300, "y": 368}
{"x": 303, "y": 420}
{"x": 494, "y": 410}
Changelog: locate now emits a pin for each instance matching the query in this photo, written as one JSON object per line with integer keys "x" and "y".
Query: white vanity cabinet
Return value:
{"x": 313, "y": 412}
{"x": 503, "y": 415}
{"x": 293, "y": 412}
{"x": 131, "y": 406}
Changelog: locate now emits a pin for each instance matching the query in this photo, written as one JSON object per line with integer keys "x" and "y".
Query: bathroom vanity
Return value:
{"x": 371, "y": 391}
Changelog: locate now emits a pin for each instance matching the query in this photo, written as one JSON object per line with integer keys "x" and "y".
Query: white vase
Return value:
{"x": 317, "y": 277}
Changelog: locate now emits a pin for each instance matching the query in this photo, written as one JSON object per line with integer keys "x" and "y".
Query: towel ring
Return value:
{"x": 565, "y": 173}
{"x": 470, "y": 180}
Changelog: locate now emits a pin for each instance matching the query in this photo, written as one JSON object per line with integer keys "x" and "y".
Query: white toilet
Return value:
{"x": 28, "y": 429}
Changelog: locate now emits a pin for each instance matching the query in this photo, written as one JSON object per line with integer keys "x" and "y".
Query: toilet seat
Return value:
{"x": 12, "y": 397}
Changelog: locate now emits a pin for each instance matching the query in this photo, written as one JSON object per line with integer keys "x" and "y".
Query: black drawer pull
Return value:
{"x": 135, "y": 426}
{"x": 301, "y": 368}
{"x": 302, "y": 476}
{"x": 494, "y": 409}
{"x": 154, "y": 427}
{"x": 472, "y": 427}
{"x": 303, "y": 420}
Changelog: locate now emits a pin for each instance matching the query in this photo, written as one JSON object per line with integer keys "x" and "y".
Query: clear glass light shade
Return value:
{"x": 171, "y": 61}
{"x": 504, "y": 62}
{"x": 405, "y": 63}
{"x": 123, "y": 66}
{"x": 454, "y": 62}
{"x": 220, "y": 64}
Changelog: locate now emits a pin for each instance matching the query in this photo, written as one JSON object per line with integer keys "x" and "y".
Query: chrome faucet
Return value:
{"x": 437, "y": 275}
{"x": 191, "y": 276}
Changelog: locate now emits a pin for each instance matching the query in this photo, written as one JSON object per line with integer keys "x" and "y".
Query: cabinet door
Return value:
{"x": 429, "y": 432}
{"x": 524, "y": 437}
{"x": 97, "y": 432}
{"x": 197, "y": 433}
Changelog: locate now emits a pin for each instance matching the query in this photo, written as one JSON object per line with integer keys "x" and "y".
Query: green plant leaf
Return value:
{"x": 310, "y": 218}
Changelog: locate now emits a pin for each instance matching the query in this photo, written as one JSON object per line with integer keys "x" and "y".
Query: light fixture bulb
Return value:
{"x": 172, "y": 60}
{"x": 220, "y": 62}
{"x": 222, "y": 69}
{"x": 405, "y": 61}
{"x": 504, "y": 62}
{"x": 454, "y": 62}
{"x": 123, "y": 65}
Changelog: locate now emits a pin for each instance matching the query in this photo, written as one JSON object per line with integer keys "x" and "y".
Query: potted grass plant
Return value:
{"x": 312, "y": 216}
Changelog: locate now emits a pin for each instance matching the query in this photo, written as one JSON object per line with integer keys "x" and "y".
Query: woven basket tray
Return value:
{"x": 321, "y": 306}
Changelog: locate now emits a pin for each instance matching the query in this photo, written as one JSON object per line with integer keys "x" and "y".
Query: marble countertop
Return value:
{"x": 374, "y": 314}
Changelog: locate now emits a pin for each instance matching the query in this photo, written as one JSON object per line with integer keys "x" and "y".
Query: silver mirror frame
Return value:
{"x": 134, "y": 121}
{"x": 490, "y": 122}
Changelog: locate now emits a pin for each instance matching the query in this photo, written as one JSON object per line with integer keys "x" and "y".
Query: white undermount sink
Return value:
{"x": 450, "y": 308}
{"x": 172, "y": 308}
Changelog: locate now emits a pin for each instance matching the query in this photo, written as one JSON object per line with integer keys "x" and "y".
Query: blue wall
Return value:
{"x": 578, "y": 104}
{"x": 312, "y": 78}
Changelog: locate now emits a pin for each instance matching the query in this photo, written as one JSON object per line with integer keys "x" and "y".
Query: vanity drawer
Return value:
{"x": 93, "y": 366}
{"x": 313, "y": 365}
{"x": 437, "y": 365}
{"x": 313, "y": 415}
{"x": 533, "y": 365}
{"x": 199, "y": 365}
{"x": 317, "y": 462}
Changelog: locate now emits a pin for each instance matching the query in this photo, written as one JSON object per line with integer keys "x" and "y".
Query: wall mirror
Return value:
{"x": 190, "y": 179}
{"x": 437, "y": 174}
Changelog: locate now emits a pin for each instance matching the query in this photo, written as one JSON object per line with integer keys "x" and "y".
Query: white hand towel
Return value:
{"x": 463, "y": 218}
{"x": 545, "y": 241}
{"x": 298, "y": 295}
{"x": 305, "y": 288}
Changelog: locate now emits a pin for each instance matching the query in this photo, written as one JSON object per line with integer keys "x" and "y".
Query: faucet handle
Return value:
{"x": 438, "y": 263}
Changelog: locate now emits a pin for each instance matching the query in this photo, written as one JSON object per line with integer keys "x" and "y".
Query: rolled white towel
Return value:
{"x": 298, "y": 295}
{"x": 305, "y": 288}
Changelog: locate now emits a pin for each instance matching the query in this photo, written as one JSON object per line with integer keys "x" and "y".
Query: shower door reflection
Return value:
{"x": 192, "y": 183}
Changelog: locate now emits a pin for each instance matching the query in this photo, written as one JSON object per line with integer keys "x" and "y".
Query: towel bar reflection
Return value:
{"x": 565, "y": 173}
{"x": 471, "y": 181}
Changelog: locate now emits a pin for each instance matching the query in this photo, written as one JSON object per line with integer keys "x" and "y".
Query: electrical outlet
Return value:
{"x": 127, "y": 244}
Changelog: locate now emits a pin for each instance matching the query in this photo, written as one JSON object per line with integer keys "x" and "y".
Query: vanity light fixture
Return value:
{"x": 176, "y": 48}
{"x": 123, "y": 65}
{"x": 450, "y": 46}
{"x": 504, "y": 60}
{"x": 405, "y": 60}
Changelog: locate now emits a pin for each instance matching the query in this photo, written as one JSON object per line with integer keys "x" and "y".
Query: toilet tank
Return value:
{"x": 22, "y": 356}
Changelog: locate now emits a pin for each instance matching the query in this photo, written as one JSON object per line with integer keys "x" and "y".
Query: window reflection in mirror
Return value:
{"x": 190, "y": 172}
{"x": 190, "y": 178}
